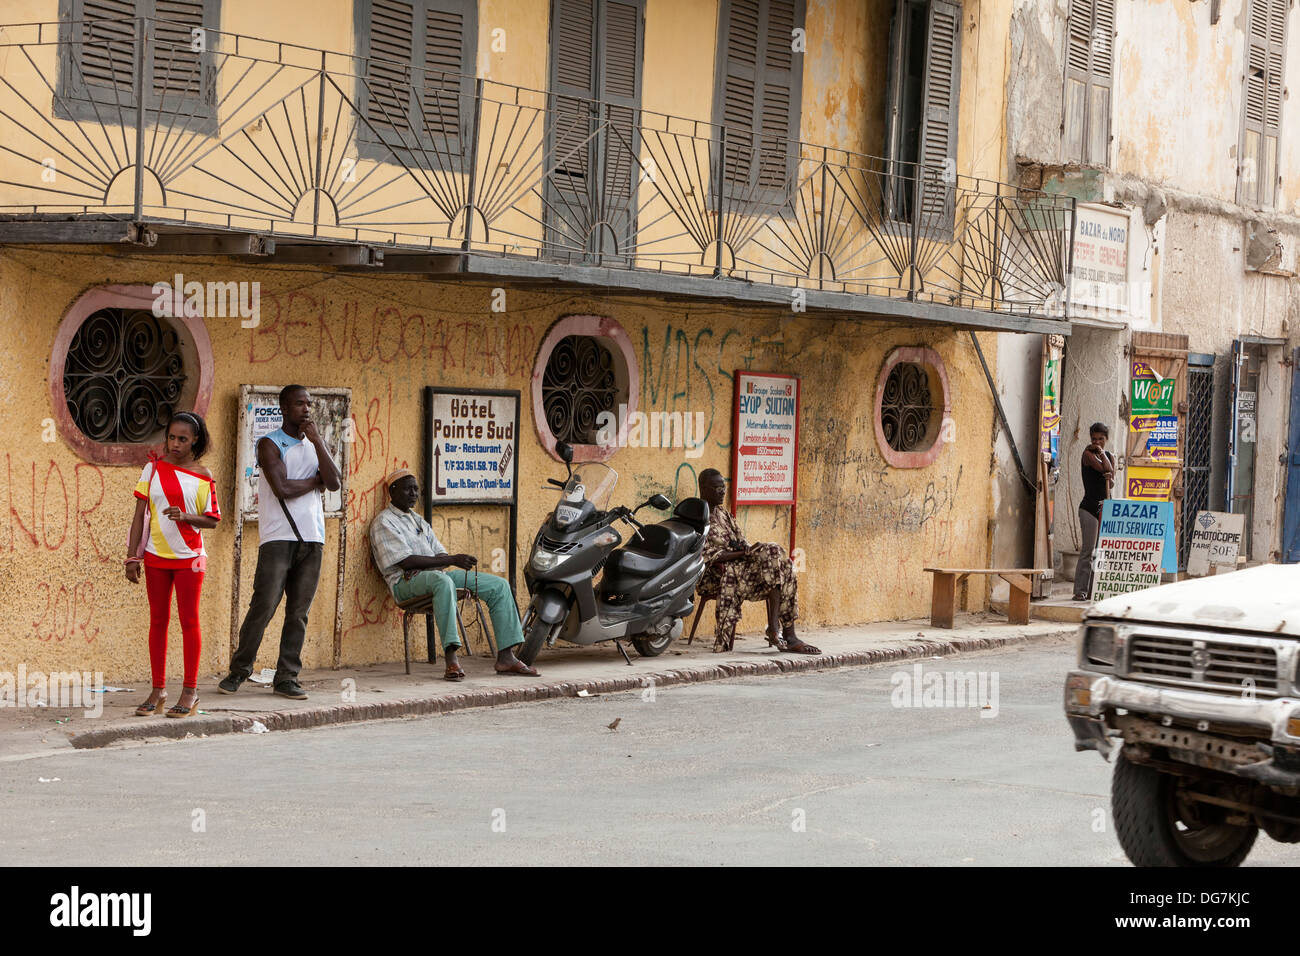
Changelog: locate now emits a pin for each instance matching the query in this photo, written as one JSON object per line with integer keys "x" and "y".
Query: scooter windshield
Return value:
{"x": 592, "y": 482}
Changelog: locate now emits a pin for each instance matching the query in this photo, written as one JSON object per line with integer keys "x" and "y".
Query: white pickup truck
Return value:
{"x": 1196, "y": 684}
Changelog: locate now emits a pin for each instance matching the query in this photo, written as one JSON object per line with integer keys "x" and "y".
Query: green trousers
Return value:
{"x": 442, "y": 585}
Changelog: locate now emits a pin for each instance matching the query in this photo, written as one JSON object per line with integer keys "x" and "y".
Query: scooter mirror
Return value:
{"x": 565, "y": 451}
{"x": 660, "y": 502}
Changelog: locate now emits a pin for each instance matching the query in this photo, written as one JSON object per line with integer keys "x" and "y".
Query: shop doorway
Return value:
{"x": 1243, "y": 401}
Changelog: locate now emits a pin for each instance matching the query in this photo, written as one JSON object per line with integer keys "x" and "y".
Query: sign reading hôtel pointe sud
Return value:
{"x": 473, "y": 436}
{"x": 765, "y": 439}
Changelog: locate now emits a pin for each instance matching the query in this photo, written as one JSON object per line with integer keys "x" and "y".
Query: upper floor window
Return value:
{"x": 593, "y": 143}
{"x": 758, "y": 96}
{"x": 97, "y": 48}
{"x": 419, "y": 60}
{"x": 1089, "y": 58}
{"x": 1261, "y": 121}
{"x": 921, "y": 132}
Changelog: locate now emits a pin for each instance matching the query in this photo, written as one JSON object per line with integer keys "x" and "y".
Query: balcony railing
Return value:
{"x": 253, "y": 135}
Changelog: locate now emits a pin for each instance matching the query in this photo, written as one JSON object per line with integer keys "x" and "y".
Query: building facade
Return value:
{"x": 1171, "y": 124}
{"x": 596, "y": 203}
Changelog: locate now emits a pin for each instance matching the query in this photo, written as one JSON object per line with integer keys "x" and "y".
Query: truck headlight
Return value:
{"x": 1099, "y": 646}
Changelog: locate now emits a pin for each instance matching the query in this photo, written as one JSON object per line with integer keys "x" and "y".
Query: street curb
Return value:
{"x": 212, "y": 725}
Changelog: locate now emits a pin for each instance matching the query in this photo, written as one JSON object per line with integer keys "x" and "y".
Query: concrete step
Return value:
{"x": 1066, "y": 612}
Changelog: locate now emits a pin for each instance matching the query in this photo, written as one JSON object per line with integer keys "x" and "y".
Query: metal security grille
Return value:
{"x": 579, "y": 384}
{"x": 906, "y": 408}
{"x": 123, "y": 376}
{"x": 1196, "y": 474}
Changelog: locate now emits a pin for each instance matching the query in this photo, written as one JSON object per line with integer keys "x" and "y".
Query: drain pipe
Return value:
{"x": 1002, "y": 417}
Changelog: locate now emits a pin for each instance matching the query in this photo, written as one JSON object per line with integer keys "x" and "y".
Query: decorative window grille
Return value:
{"x": 907, "y": 408}
{"x": 579, "y": 383}
{"x": 123, "y": 376}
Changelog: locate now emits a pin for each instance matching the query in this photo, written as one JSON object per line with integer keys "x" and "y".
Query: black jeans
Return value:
{"x": 291, "y": 569}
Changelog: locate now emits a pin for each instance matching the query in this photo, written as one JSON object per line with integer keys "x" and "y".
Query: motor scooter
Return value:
{"x": 646, "y": 588}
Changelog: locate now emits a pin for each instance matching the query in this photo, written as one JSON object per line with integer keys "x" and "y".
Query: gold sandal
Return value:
{"x": 149, "y": 710}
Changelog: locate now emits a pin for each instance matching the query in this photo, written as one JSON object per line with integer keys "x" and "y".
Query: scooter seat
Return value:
{"x": 651, "y": 549}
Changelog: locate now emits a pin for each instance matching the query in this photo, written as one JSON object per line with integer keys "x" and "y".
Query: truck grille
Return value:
{"x": 1207, "y": 665}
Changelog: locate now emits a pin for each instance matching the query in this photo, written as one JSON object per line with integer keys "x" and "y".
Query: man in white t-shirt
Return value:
{"x": 295, "y": 465}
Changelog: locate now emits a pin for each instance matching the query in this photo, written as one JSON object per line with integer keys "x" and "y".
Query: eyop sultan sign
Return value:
{"x": 765, "y": 439}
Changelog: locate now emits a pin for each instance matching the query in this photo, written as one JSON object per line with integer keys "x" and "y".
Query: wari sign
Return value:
{"x": 259, "y": 415}
{"x": 473, "y": 439}
{"x": 1151, "y": 397}
{"x": 1131, "y": 546}
{"x": 765, "y": 439}
{"x": 1216, "y": 541}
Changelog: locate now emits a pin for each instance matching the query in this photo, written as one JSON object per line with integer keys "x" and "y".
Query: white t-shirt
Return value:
{"x": 300, "y": 461}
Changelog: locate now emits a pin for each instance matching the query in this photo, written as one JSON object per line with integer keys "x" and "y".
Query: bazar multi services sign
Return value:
{"x": 474, "y": 439}
{"x": 765, "y": 439}
{"x": 1131, "y": 545}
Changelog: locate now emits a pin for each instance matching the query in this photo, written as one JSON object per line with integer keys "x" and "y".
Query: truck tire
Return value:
{"x": 1156, "y": 826}
{"x": 535, "y": 633}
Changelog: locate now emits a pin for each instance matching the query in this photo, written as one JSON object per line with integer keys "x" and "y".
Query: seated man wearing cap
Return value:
{"x": 415, "y": 564}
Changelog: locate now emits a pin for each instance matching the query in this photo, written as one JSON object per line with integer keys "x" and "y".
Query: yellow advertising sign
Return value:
{"x": 1149, "y": 484}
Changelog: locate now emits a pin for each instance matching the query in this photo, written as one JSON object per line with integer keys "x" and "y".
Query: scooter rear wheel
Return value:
{"x": 535, "y": 632}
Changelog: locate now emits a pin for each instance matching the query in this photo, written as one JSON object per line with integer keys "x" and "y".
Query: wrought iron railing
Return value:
{"x": 256, "y": 135}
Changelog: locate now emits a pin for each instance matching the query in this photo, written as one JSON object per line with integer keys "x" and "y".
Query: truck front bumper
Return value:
{"x": 1092, "y": 700}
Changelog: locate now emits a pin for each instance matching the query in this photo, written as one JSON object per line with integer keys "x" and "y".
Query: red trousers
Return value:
{"x": 188, "y": 584}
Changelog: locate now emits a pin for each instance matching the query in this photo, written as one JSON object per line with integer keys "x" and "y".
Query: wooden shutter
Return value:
{"x": 391, "y": 53}
{"x": 1089, "y": 62}
{"x": 1166, "y": 354}
{"x": 573, "y": 81}
{"x": 939, "y": 101}
{"x": 447, "y": 31}
{"x": 177, "y": 69}
{"x": 1262, "y": 100}
{"x": 759, "y": 90}
{"x": 107, "y": 49}
{"x": 619, "y": 88}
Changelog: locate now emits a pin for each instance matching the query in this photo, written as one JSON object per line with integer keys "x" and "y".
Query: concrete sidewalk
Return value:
{"x": 384, "y": 691}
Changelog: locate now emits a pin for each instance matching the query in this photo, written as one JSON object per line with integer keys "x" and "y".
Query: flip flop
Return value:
{"x": 520, "y": 668}
{"x": 454, "y": 675}
{"x": 802, "y": 647}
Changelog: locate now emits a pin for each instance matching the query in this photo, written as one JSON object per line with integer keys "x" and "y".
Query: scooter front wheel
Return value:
{"x": 535, "y": 633}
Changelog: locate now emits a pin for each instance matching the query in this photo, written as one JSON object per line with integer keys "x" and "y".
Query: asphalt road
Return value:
{"x": 812, "y": 769}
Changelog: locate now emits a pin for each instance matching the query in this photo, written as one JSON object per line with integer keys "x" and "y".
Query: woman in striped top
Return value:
{"x": 180, "y": 500}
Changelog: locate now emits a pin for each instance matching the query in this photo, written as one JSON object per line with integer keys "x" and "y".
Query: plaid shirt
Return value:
{"x": 395, "y": 535}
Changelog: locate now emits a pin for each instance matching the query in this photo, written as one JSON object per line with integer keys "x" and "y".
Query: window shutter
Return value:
{"x": 1262, "y": 100}
{"x": 939, "y": 100}
{"x": 573, "y": 81}
{"x": 177, "y": 70}
{"x": 392, "y": 51}
{"x": 778, "y": 120}
{"x": 620, "y": 88}
{"x": 107, "y": 49}
{"x": 741, "y": 86}
{"x": 444, "y": 62}
{"x": 1097, "y": 144}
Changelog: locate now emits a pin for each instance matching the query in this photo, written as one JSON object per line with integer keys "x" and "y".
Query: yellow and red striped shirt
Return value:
{"x": 175, "y": 543}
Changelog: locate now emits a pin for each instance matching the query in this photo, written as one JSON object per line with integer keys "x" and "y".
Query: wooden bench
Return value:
{"x": 943, "y": 597}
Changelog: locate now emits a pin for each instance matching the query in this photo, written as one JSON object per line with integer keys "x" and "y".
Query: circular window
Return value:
{"x": 913, "y": 409}
{"x": 118, "y": 373}
{"x": 578, "y": 385}
{"x": 585, "y": 386}
{"x": 124, "y": 375}
{"x": 907, "y": 409}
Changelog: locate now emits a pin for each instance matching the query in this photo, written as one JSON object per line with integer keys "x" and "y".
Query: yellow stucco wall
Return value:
{"x": 867, "y": 529}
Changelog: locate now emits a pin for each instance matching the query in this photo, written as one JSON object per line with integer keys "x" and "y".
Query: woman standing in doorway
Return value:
{"x": 1098, "y": 476}
{"x": 180, "y": 500}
